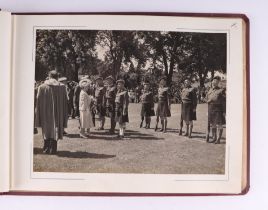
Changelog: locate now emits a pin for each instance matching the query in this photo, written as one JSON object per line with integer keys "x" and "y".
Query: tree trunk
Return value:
{"x": 165, "y": 62}
{"x": 75, "y": 74}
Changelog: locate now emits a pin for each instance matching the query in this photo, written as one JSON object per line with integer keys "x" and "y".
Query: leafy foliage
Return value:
{"x": 132, "y": 55}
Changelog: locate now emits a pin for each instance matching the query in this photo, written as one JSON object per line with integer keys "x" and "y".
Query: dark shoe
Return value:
{"x": 120, "y": 136}
{"x": 180, "y": 132}
{"x": 187, "y": 130}
{"x": 190, "y": 132}
{"x": 207, "y": 138}
{"x": 83, "y": 135}
{"x": 218, "y": 141}
{"x": 214, "y": 135}
{"x": 111, "y": 131}
{"x": 219, "y": 137}
{"x": 53, "y": 147}
{"x": 155, "y": 129}
{"x": 46, "y": 146}
{"x": 35, "y": 131}
{"x": 165, "y": 126}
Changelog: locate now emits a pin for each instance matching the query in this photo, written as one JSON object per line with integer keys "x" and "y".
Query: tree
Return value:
{"x": 165, "y": 50}
{"x": 121, "y": 47}
{"x": 67, "y": 51}
{"x": 206, "y": 53}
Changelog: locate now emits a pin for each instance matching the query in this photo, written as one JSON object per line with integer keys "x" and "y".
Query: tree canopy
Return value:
{"x": 132, "y": 55}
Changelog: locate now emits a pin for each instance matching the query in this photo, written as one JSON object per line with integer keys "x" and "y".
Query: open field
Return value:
{"x": 142, "y": 150}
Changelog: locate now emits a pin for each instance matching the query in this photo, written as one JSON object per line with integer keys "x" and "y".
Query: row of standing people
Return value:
{"x": 216, "y": 99}
{"x": 99, "y": 102}
{"x": 113, "y": 102}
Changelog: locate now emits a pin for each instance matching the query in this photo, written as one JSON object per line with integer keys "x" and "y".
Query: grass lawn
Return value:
{"x": 142, "y": 151}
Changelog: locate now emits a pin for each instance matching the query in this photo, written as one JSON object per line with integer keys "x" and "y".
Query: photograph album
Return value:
{"x": 124, "y": 104}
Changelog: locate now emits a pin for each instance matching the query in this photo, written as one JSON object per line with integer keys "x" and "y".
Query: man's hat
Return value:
{"x": 98, "y": 78}
{"x": 84, "y": 82}
{"x": 53, "y": 74}
{"x": 83, "y": 77}
{"x": 110, "y": 78}
{"x": 62, "y": 79}
{"x": 120, "y": 81}
{"x": 217, "y": 78}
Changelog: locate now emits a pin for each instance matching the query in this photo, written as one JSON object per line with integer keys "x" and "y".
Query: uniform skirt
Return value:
{"x": 100, "y": 110}
{"x": 187, "y": 112}
{"x": 86, "y": 120}
{"x": 215, "y": 114}
{"x": 146, "y": 110}
{"x": 163, "y": 109}
{"x": 119, "y": 117}
{"x": 110, "y": 109}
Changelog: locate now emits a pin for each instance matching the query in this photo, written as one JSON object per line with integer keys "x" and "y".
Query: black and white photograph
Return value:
{"x": 130, "y": 101}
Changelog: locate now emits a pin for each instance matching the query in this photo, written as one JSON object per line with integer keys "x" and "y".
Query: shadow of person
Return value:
{"x": 135, "y": 135}
{"x": 73, "y": 135}
{"x": 76, "y": 154}
{"x": 80, "y": 154}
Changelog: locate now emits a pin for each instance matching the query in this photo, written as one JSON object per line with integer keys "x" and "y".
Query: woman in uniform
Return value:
{"x": 110, "y": 101}
{"x": 216, "y": 99}
{"x": 121, "y": 107}
{"x": 100, "y": 102}
{"x": 163, "y": 106}
{"x": 147, "y": 108}
{"x": 188, "y": 107}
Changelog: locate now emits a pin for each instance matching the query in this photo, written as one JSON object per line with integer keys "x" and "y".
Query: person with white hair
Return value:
{"x": 86, "y": 103}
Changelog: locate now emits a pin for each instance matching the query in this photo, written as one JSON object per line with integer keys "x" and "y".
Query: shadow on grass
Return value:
{"x": 135, "y": 135}
{"x": 73, "y": 135}
{"x": 172, "y": 130}
{"x": 129, "y": 134}
{"x": 77, "y": 154}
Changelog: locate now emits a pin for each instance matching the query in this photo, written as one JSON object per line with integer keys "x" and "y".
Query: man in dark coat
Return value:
{"x": 51, "y": 111}
{"x": 76, "y": 95}
{"x": 188, "y": 107}
{"x": 216, "y": 99}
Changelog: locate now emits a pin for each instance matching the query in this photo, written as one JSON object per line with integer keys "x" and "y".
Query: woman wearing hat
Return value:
{"x": 121, "y": 107}
{"x": 188, "y": 107}
{"x": 147, "y": 108}
{"x": 163, "y": 106}
{"x": 110, "y": 101}
{"x": 85, "y": 106}
{"x": 216, "y": 99}
{"x": 100, "y": 102}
